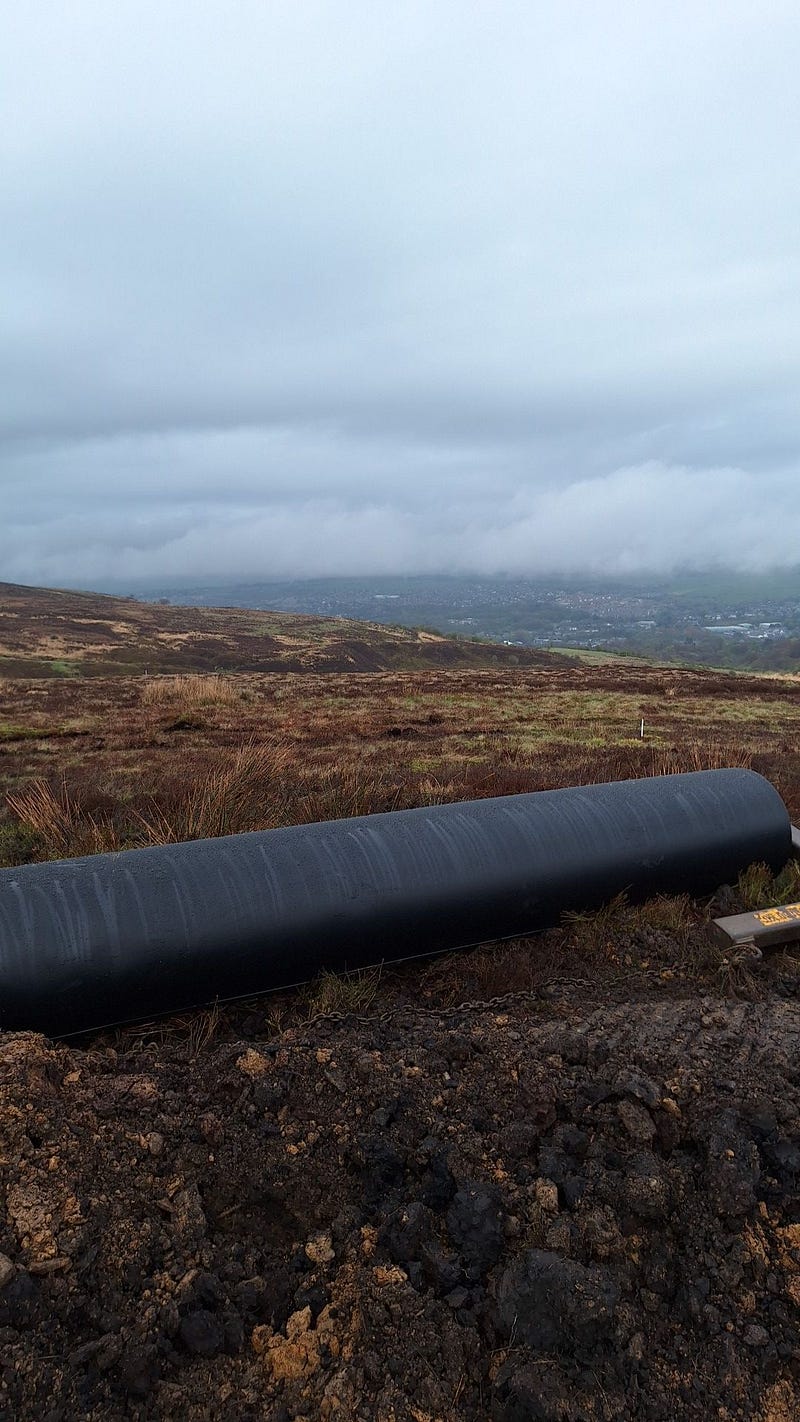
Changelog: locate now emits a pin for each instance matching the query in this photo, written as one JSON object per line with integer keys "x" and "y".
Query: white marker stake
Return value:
{"x": 641, "y": 731}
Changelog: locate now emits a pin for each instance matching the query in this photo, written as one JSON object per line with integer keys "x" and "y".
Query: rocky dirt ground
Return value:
{"x": 546, "y": 1210}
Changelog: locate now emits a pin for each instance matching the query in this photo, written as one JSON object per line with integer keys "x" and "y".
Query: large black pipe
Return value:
{"x": 118, "y": 937}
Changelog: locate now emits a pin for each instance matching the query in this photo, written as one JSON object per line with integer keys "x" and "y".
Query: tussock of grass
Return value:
{"x": 343, "y": 992}
{"x": 716, "y": 753}
{"x": 631, "y": 935}
{"x": 189, "y": 691}
{"x": 196, "y": 1029}
{"x": 247, "y": 793}
{"x": 759, "y": 888}
{"x": 58, "y": 823}
{"x": 341, "y": 793}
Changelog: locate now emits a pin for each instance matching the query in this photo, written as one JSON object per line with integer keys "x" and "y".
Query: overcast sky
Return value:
{"x": 303, "y": 288}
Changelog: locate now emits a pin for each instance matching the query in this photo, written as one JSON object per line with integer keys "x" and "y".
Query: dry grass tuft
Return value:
{"x": 248, "y": 793}
{"x": 343, "y": 992}
{"x": 734, "y": 971}
{"x": 189, "y": 692}
{"x": 197, "y": 1030}
{"x": 666, "y": 913}
{"x": 49, "y": 815}
{"x": 58, "y": 822}
{"x": 714, "y": 754}
{"x": 593, "y": 929}
{"x": 343, "y": 792}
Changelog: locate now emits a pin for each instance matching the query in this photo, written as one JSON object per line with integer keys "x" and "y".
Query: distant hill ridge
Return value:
{"x": 49, "y": 632}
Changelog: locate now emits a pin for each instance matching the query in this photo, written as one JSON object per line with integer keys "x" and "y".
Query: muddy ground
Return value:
{"x": 557, "y": 1211}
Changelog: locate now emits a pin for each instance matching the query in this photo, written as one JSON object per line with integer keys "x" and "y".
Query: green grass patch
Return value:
{"x": 18, "y": 844}
{"x": 758, "y": 888}
{"x": 9, "y": 732}
{"x": 596, "y": 657}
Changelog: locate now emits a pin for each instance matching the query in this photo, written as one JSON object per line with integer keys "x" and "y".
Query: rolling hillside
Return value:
{"x": 51, "y": 633}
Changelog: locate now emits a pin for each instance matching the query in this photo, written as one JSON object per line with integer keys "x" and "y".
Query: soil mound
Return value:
{"x": 571, "y": 1215}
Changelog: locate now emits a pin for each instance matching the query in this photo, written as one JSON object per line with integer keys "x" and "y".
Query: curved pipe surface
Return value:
{"x": 86, "y": 943}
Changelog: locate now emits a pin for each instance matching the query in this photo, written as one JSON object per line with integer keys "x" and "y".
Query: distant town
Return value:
{"x": 712, "y": 619}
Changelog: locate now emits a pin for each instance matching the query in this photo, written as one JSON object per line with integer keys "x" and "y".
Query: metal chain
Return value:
{"x": 478, "y": 1005}
{"x": 491, "y": 1004}
{"x": 484, "y": 1005}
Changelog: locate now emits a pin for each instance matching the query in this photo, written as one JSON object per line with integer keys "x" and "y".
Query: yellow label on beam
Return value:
{"x": 788, "y": 913}
{"x": 764, "y": 929}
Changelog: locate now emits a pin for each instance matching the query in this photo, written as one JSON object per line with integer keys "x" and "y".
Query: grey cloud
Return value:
{"x": 644, "y": 518}
{"x": 310, "y": 288}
